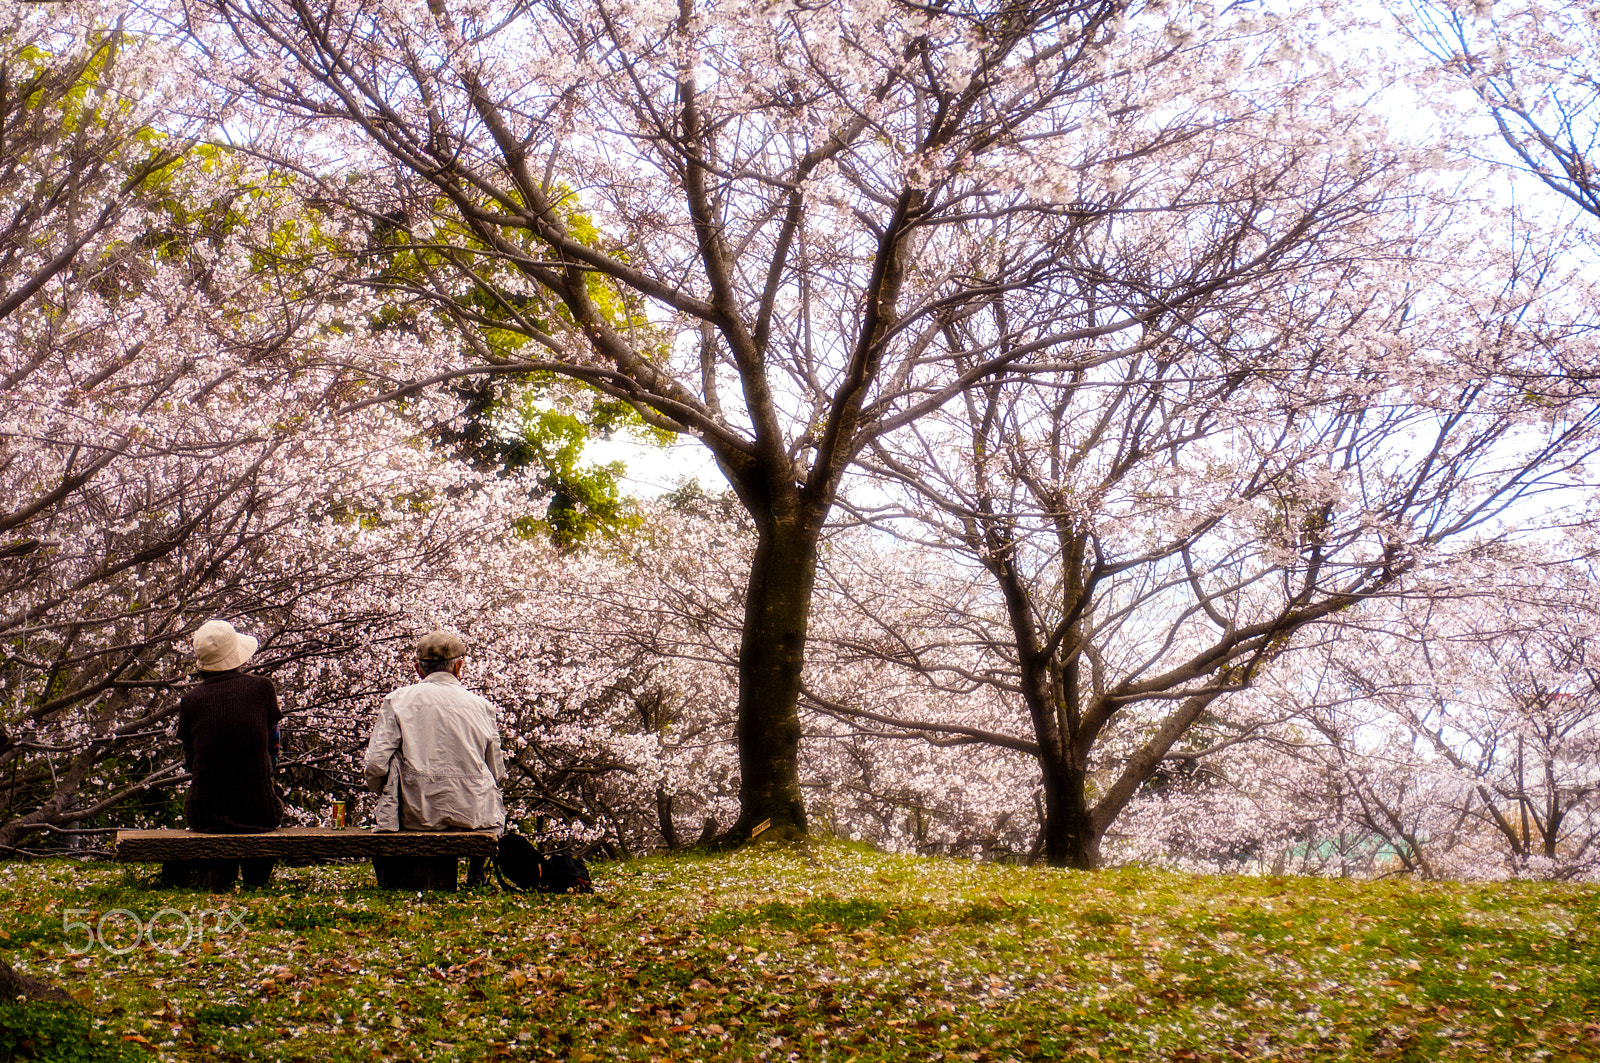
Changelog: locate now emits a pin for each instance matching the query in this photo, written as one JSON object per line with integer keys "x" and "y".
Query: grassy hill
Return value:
{"x": 828, "y": 953}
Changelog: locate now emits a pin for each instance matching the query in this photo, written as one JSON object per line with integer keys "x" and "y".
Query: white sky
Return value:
{"x": 653, "y": 471}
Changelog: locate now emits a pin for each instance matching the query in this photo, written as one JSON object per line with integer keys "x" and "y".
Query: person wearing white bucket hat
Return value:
{"x": 219, "y": 648}
{"x": 228, "y": 724}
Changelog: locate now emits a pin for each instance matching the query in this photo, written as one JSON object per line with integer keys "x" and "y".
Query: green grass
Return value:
{"x": 828, "y": 953}
{"x": 37, "y": 1030}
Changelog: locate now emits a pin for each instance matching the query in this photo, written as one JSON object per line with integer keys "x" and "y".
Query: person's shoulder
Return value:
{"x": 408, "y": 695}
{"x": 481, "y": 703}
{"x": 458, "y": 693}
{"x": 215, "y": 690}
{"x": 258, "y": 682}
{"x": 462, "y": 690}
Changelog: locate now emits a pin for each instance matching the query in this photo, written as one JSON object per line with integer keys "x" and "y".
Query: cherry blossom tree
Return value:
{"x": 166, "y": 453}
{"x": 1252, "y": 807}
{"x": 82, "y": 169}
{"x": 156, "y": 485}
{"x": 787, "y": 231}
{"x": 896, "y": 643}
{"x": 1446, "y": 733}
{"x": 662, "y": 610}
{"x": 77, "y": 96}
{"x": 1160, "y": 528}
{"x": 175, "y": 449}
{"x": 1143, "y": 358}
{"x": 1465, "y": 730}
{"x": 1534, "y": 67}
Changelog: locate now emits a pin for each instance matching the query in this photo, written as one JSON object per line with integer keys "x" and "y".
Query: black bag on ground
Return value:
{"x": 530, "y": 871}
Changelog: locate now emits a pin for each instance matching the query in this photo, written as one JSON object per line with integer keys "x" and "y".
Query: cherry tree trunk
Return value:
{"x": 1071, "y": 836}
{"x": 771, "y": 656}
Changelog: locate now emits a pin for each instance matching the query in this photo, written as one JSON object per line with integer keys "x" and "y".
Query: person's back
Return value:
{"x": 448, "y": 751}
{"x": 226, "y": 725}
{"x": 434, "y": 754}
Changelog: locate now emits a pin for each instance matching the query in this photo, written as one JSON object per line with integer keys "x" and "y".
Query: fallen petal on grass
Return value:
{"x": 855, "y": 955}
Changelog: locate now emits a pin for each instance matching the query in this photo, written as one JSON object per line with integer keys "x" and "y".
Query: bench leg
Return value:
{"x": 214, "y": 875}
{"x": 415, "y": 872}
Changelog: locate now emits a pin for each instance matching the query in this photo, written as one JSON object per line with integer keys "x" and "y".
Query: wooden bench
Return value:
{"x": 401, "y": 859}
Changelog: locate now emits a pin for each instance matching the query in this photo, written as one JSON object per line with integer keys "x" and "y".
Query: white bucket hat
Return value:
{"x": 217, "y": 647}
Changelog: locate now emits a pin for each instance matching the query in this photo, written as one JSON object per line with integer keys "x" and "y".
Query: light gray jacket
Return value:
{"x": 434, "y": 757}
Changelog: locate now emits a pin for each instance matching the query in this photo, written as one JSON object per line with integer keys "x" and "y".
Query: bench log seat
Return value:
{"x": 402, "y": 859}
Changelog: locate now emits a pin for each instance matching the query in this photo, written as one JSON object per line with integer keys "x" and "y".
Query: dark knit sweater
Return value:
{"x": 228, "y": 728}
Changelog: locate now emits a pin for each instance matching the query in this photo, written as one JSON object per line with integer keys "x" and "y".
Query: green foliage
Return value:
{"x": 190, "y": 222}
{"x": 66, "y": 89}
{"x": 223, "y": 1015}
{"x": 830, "y": 951}
{"x": 76, "y": 129}
{"x": 827, "y": 913}
{"x": 61, "y": 1034}
{"x": 532, "y": 426}
{"x": 316, "y": 917}
{"x": 535, "y": 428}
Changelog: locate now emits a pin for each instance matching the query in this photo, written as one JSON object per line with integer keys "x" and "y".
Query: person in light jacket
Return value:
{"x": 434, "y": 754}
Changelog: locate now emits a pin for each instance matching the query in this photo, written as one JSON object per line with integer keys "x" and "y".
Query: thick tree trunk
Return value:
{"x": 1071, "y": 838}
{"x": 1070, "y": 831}
{"x": 771, "y": 656}
{"x": 13, "y": 984}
